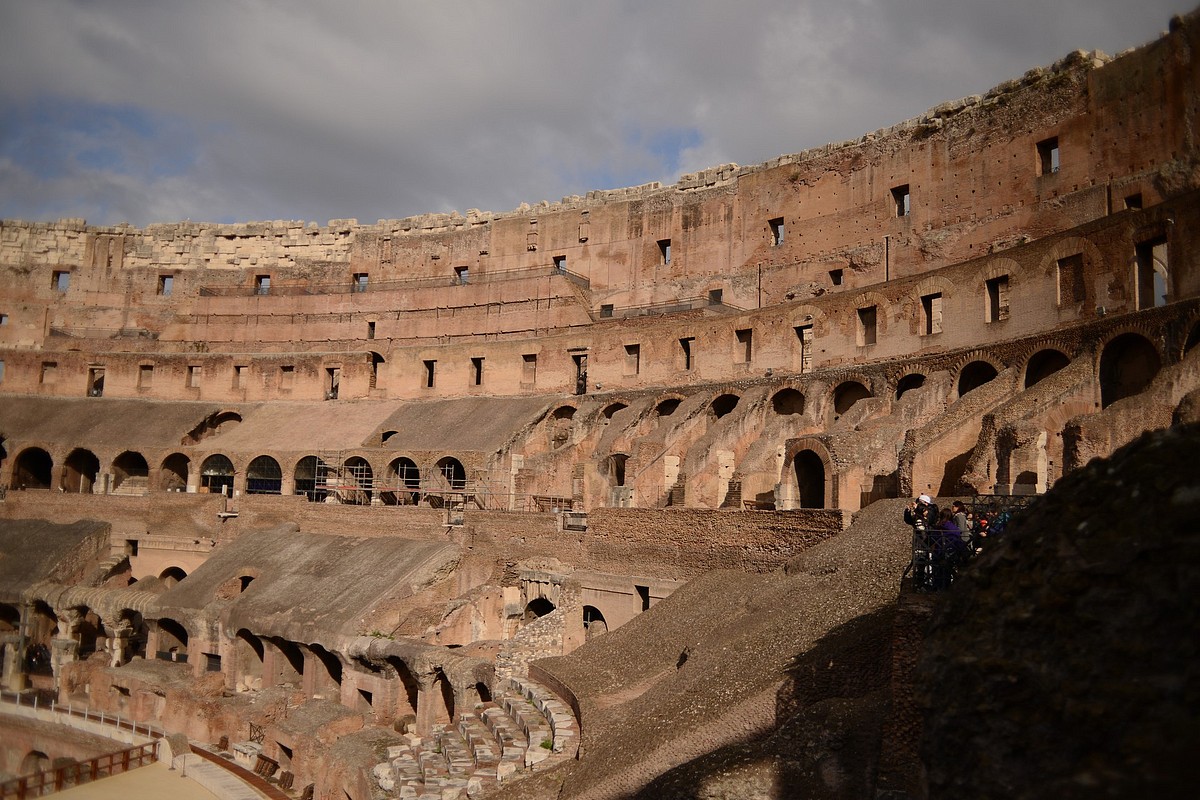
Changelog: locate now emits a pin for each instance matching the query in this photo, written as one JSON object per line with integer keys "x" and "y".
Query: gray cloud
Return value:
{"x": 267, "y": 109}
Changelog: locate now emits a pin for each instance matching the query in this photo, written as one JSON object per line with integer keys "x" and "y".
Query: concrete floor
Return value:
{"x": 156, "y": 781}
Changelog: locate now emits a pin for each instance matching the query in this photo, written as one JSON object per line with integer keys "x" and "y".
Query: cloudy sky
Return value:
{"x": 236, "y": 110}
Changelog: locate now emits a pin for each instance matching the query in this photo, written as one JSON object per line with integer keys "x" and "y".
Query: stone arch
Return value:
{"x": 1043, "y": 364}
{"x": 452, "y": 472}
{"x": 387, "y": 436}
{"x": 172, "y": 575}
{"x": 403, "y": 477}
{"x": 594, "y": 623}
{"x": 32, "y": 469}
{"x": 613, "y": 408}
{"x": 330, "y": 678}
{"x": 788, "y": 401}
{"x": 558, "y": 426}
{"x": 846, "y": 394}
{"x": 172, "y": 640}
{"x": 264, "y": 476}
{"x": 1128, "y": 363}
{"x": 724, "y": 404}
{"x": 79, "y": 473}
{"x": 913, "y": 380}
{"x": 975, "y": 374}
{"x": 308, "y": 476}
{"x": 883, "y": 312}
{"x": 212, "y": 424}
{"x": 248, "y": 654}
{"x": 173, "y": 474}
{"x": 667, "y": 407}
{"x": 35, "y": 761}
{"x": 356, "y": 481}
{"x": 538, "y": 607}
{"x": 409, "y": 698}
{"x": 441, "y": 699}
{"x": 807, "y": 314}
{"x": 216, "y": 475}
{"x": 131, "y": 473}
{"x": 289, "y": 663}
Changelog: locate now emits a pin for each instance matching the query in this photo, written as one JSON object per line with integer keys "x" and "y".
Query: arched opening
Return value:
{"x": 810, "y": 479}
{"x": 914, "y": 380}
{"x": 725, "y": 404}
{"x": 452, "y": 472}
{"x": 443, "y": 699}
{"x": 171, "y": 576}
{"x": 84, "y": 627}
{"x": 485, "y": 694}
{"x": 612, "y": 408}
{"x": 356, "y": 484}
{"x": 248, "y": 652}
{"x": 289, "y": 670}
{"x": 593, "y": 622}
{"x": 43, "y": 627}
{"x": 264, "y": 476}
{"x": 327, "y": 684}
{"x": 788, "y": 402}
{"x": 847, "y": 394}
{"x": 174, "y": 473}
{"x": 667, "y": 407}
{"x": 131, "y": 474}
{"x": 974, "y": 375}
{"x": 216, "y": 475}
{"x": 407, "y": 700}
{"x": 306, "y": 479}
{"x": 213, "y": 424}
{"x": 172, "y": 641}
{"x": 136, "y": 641}
{"x": 404, "y": 482}
{"x": 387, "y": 436}
{"x": 538, "y": 607}
{"x": 1042, "y": 365}
{"x": 35, "y": 761}
{"x": 32, "y": 469}
{"x": 616, "y": 468}
{"x": 1127, "y": 366}
{"x": 79, "y": 472}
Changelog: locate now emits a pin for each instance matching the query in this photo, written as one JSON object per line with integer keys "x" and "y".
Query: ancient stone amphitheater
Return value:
{"x": 589, "y": 499}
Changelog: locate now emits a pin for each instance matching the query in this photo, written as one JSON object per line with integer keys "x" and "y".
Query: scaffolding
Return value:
{"x": 349, "y": 481}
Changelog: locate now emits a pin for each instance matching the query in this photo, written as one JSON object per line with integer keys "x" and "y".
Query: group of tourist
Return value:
{"x": 945, "y": 540}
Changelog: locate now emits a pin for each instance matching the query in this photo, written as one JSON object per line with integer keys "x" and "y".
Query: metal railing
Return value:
{"x": 49, "y": 781}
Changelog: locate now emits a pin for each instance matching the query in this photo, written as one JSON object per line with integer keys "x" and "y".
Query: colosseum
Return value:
{"x": 558, "y": 501}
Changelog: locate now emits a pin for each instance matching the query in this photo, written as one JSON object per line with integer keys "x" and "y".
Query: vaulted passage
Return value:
{"x": 974, "y": 375}
{"x": 264, "y": 476}
{"x": 32, "y": 469}
{"x": 1042, "y": 365}
{"x": 79, "y": 472}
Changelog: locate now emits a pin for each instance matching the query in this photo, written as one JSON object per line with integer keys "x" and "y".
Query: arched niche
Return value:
{"x": 616, "y": 468}
{"x": 612, "y": 408}
{"x": 594, "y": 623}
{"x": 216, "y": 475}
{"x": 173, "y": 475}
{"x": 724, "y": 404}
{"x": 356, "y": 484}
{"x": 452, "y": 472}
{"x": 847, "y": 394}
{"x": 667, "y": 407}
{"x": 310, "y": 479}
{"x": 32, "y": 469}
{"x": 788, "y": 402}
{"x": 404, "y": 482}
{"x": 913, "y": 380}
{"x": 131, "y": 473}
{"x": 172, "y": 641}
{"x": 80, "y": 470}
{"x": 171, "y": 576}
{"x": 974, "y": 375}
{"x": 538, "y": 607}
{"x": 810, "y": 479}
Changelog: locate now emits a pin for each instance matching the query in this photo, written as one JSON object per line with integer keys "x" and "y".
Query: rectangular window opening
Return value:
{"x": 560, "y": 263}
{"x": 1071, "y": 286}
{"x": 193, "y": 377}
{"x": 430, "y": 368}
{"x": 212, "y": 662}
{"x": 239, "y": 376}
{"x": 3, "y": 320}
{"x": 804, "y": 334}
{"x": 903, "y": 200}
{"x": 867, "y": 330}
{"x": 777, "y": 231}
{"x": 1048, "y": 156}
{"x": 686, "y": 346}
{"x": 370, "y": 330}
{"x": 529, "y": 369}
{"x": 477, "y": 371}
{"x": 49, "y": 371}
{"x": 95, "y": 382}
{"x": 835, "y": 277}
{"x": 745, "y": 345}
{"x": 1153, "y": 273}
{"x": 997, "y": 299}
{"x": 716, "y": 297}
{"x": 1133, "y": 202}
{"x": 606, "y": 310}
{"x": 462, "y": 275}
{"x": 287, "y": 377}
{"x": 664, "y": 251}
{"x": 931, "y": 314}
{"x": 262, "y": 284}
{"x": 360, "y": 281}
{"x": 333, "y": 382}
{"x": 581, "y": 376}
{"x": 145, "y": 376}
{"x": 644, "y": 594}
{"x": 61, "y": 281}
{"x": 166, "y": 285}
{"x": 633, "y": 359}
{"x": 1, "y": 371}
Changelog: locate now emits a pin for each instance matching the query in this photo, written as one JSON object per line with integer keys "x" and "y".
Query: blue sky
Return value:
{"x": 240, "y": 110}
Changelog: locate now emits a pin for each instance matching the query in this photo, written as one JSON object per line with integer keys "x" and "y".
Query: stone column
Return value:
{"x": 62, "y": 651}
{"x": 14, "y": 675}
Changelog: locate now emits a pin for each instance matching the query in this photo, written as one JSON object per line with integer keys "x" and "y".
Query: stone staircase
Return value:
{"x": 527, "y": 727}
{"x": 134, "y": 485}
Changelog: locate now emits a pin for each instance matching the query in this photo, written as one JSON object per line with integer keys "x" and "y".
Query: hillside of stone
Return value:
{"x": 688, "y": 699}
{"x": 1066, "y": 662}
